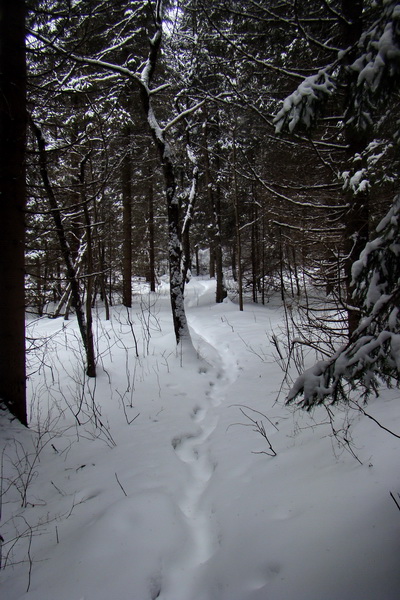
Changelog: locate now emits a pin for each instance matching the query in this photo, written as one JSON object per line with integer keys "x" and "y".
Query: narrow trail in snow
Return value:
{"x": 183, "y": 581}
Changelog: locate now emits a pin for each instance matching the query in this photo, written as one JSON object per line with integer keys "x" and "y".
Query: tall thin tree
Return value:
{"x": 12, "y": 205}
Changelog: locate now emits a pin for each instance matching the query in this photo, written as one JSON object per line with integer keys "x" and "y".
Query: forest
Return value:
{"x": 157, "y": 155}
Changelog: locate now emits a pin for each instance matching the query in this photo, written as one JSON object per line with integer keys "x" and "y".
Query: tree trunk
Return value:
{"x": 196, "y": 254}
{"x": 89, "y": 347}
{"x": 72, "y": 274}
{"x": 237, "y": 227}
{"x": 255, "y": 259}
{"x": 126, "y": 175}
{"x": 214, "y": 198}
{"x": 211, "y": 266}
{"x": 151, "y": 230}
{"x": 187, "y": 221}
{"x": 13, "y": 200}
{"x": 263, "y": 261}
{"x": 177, "y": 283}
{"x": 101, "y": 257}
{"x": 357, "y": 216}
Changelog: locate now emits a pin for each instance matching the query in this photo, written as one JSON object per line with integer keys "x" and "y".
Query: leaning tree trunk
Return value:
{"x": 12, "y": 206}
{"x": 72, "y": 274}
{"x": 175, "y": 254}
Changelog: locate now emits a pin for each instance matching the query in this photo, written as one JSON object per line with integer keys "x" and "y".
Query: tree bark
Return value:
{"x": 90, "y": 353}
{"x": 357, "y": 215}
{"x": 126, "y": 175}
{"x": 255, "y": 259}
{"x": 12, "y": 203}
{"x": 72, "y": 274}
{"x": 151, "y": 233}
{"x": 237, "y": 226}
{"x": 214, "y": 198}
{"x": 187, "y": 221}
{"x": 175, "y": 255}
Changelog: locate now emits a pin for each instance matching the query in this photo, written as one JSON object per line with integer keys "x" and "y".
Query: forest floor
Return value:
{"x": 185, "y": 477}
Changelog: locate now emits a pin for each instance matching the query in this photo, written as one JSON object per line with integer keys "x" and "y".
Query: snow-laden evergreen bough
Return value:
{"x": 372, "y": 355}
{"x": 301, "y": 107}
{"x": 376, "y": 70}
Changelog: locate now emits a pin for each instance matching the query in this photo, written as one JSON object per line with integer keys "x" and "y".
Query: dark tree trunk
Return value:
{"x": 255, "y": 259}
{"x": 214, "y": 197}
{"x": 237, "y": 227}
{"x": 281, "y": 266}
{"x": 126, "y": 175}
{"x": 357, "y": 216}
{"x": 71, "y": 268}
{"x": 263, "y": 261}
{"x": 12, "y": 203}
{"x": 211, "y": 266}
{"x": 151, "y": 230}
{"x": 196, "y": 254}
{"x": 101, "y": 255}
{"x": 90, "y": 353}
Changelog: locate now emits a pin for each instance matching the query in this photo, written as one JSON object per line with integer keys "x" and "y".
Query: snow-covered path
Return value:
{"x": 174, "y": 497}
{"x": 184, "y": 580}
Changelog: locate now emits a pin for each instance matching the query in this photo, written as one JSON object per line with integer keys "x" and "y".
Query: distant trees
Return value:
{"x": 288, "y": 198}
{"x": 85, "y": 62}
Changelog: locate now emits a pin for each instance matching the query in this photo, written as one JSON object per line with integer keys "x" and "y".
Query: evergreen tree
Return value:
{"x": 373, "y": 352}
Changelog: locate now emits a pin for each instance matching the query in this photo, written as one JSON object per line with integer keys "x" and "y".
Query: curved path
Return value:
{"x": 184, "y": 580}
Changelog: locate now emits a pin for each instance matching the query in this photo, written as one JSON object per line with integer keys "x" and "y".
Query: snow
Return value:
{"x": 383, "y": 52}
{"x": 300, "y": 107}
{"x": 173, "y": 497}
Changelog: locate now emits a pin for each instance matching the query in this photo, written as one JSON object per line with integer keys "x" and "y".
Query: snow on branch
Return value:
{"x": 183, "y": 114}
{"x": 373, "y": 353}
{"x": 300, "y": 108}
{"x": 381, "y": 58}
{"x": 377, "y": 68}
{"x": 377, "y": 273}
{"x": 357, "y": 182}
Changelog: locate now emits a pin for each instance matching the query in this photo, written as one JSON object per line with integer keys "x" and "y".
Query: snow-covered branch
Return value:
{"x": 300, "y": 108}
{"x": 382, "y": 50}
{"x": 373, "y": 352}
{"x": 113, "y": 67}
{"x": 183, "y": 114}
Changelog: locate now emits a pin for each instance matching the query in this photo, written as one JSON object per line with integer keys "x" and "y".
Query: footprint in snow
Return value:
{"x": 197, "y": 413}
{"x": 178, "y": 440}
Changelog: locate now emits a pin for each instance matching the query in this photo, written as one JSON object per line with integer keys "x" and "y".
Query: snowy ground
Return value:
{"x": 163, "y": 490}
